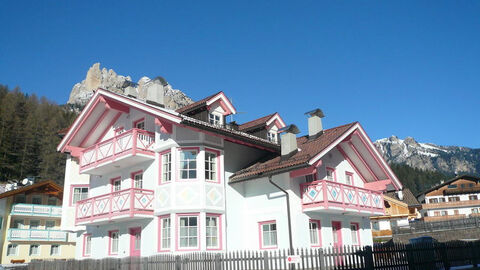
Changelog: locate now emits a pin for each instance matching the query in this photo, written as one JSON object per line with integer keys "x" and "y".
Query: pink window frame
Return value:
{"x": 77, "y": 186}
{"x": 334, "y": 173}
{"x": 84, "y": 246}
{"x": 179, "y": 179}
{"x": 358, "y": 233}
{"x": 132, "y": 177}
{"x": 216, "y": 152}
{"x": 349, "y": 174}
{"x": 160, "y": 167}
{"x": 319, "y": 232}
{"x": 160, "y": 218}
{"x": 177, "y": 231}
{"x": 219, "y": 231}
{"x": 110, "y": 241}
{"x": 260, "y": 234}
{"x": 113, "y": 180}
{"x": 134, "y": 123}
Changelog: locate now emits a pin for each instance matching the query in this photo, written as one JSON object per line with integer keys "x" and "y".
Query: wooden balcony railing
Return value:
{"x": 327, "y": 194}
{"x": 447, "y": 217}
{"x": 36, "y": 210}
{"x": 130, "y": 142}
{"x": 128, "y": 202}
{"x": 442, "y": 205}
{"x": 36, "y": 235}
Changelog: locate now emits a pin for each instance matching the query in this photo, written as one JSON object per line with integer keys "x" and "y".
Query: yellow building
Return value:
{"x": 30, "y": 224}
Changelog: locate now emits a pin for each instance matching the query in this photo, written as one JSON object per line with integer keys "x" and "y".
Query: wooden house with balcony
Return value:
{"x": 189, "y": 181}
{"x": 456, "y": 198}
{"x": 30, "y": 224}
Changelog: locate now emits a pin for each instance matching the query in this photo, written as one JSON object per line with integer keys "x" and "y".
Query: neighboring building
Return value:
{"x": 401, "y": 207}
{"x": 142, "y": 179}
{"x": 454, "y": 199}
{"x": 30, "y": 222}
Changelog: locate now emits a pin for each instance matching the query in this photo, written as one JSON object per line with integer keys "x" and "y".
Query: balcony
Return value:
{"x": 121, "y": 205}
{"x": 442, "y": 218}
{"x": 23, "y": 209}
{"x": 36, "y": 235}
{"x": 455, "y": 204}
{"x": 127, "y": 149}
{"x": 333, "y": 197}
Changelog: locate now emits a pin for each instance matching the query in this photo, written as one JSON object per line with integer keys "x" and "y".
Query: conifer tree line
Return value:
{"x": 29, "y": 128}
{"x": 418, "y": 180}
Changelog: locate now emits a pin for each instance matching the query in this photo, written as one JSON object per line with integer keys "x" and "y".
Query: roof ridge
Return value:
{"x": 269, "y": 116}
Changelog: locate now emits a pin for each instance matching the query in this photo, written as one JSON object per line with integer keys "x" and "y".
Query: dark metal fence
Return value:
{"x": 385, "y": 257}
{"x": 422, "y": 226}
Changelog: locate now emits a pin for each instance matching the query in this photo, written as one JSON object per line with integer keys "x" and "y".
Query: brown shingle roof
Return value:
{"x": 308, "y": 150}
{"x": 197, "y": 104}
{"x": 256, "y": 122}
{"x": 408, "y": 197}
{"x": 47, "y": 185}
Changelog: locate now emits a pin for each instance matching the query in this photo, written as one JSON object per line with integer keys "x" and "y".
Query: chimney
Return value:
{"x": 155, "y": 93}
{"x": 400, "y": 195}
{"x": 315, "y": 123}
{"x": 288, "y": 139}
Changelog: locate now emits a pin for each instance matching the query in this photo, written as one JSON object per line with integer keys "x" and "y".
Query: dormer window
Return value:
{"x": 214, "y": 119}
{"x": 272, "y": 136}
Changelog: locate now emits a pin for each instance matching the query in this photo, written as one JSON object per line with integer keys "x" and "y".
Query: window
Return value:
{"x": 138, "y": 180}
{"x": 167, "y": 167}
{"x": 454, "y": 199}
{"x": 214, "y": 119}
{"x": 462, "y": 185}
{"x": 165, "y": 233}
{"x": 116, "y": 184}
{"x": 18, "y": 224}
{"x": 52, "y": 201}
{"x": 434, "y": 200}
{"x": 473, "y": 197}
{"x": 349, "y": 178}
{"x": 436, "y": 213}
{"x": 113, "y": 247}
{"x": 330, "y": 174}
{"x": 34, "y": 250}
{"x": 34, "y": 224}
{"x": 20, "y": 198}
{"x": 1, "y": 222}
{"x": 37, "y": 200}
{"x": 140, "y": 124}
{"x": 54, "y": 250}
{"x": 456, "y": 212}
{"x": 444, "y": 213}
{"x": 79, "y": 193}
{"x": 49, "y": 224}
{"x": 188, "y": 164}
{"x": 12, "y": 249}
{"x": 272, "y": 136}
{"x": 474, "y": 210}
{"x": 210, "y": 166}
{"x": 309, "y": 178}
{"x": 452, "y": 186}
{"x": 212, "y": 233}
{"x": 188, "y": 232}
{"x": 314, "y": 229}
{"x": 441, "y": 199}
{"x": 355, "y": 233}
{"x": 119, "y": 131}
{"x": 470, "y": 185}
{"x": 375, "y": 226}
{"x": 268, "y": 234}
{"x": 87, "y": 244}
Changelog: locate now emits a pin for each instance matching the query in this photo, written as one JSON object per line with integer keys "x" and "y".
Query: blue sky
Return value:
{"x": 409, "y": 68}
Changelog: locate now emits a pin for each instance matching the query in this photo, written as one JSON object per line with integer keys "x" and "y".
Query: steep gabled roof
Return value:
{"x": 207, "y": 101}
{"x": 465, "y": 177}
{"x": 47, "y": 186}
{"x": 408, "y": 197}
{"x": 260, "y": 122}
{"x": 308, "y": 149}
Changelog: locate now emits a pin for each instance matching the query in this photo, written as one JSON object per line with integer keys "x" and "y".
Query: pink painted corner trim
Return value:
{"x": 319, "y": 232}
{"x": 77, "y": 186}
{"x": 260, "y": 234}
{"x": 177, "y": 231}
{"x": 219, "y": 231}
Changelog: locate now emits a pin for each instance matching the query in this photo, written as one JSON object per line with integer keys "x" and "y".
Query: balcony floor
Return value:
{"x": 112, "y": 165}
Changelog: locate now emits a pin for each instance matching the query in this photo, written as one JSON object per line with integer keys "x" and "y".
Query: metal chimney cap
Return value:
{"x": 316, "y": 112}
{"x": 290, "y": 129}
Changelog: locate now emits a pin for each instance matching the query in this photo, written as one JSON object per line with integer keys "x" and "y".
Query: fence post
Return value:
{"x": 178, "y": 262}
{"x": 265, "y": 260}
{"x": 368, "y": 258}
{"x": 443, "y": 252}
{"x": 321, "y": 257}
{"x": 410, "y": 258}
{"x": 218, "y": 261}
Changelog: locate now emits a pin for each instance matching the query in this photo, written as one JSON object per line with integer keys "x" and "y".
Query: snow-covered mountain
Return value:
{"x": 427, "y": 156}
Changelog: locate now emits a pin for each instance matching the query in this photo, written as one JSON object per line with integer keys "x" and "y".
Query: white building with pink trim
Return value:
{"x": 142, "y": 179}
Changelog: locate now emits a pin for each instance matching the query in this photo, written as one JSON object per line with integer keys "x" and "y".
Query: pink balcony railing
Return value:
{"x": 130, "y": 142}
{"x": 127, "y": 203}
{"x": 332, "y": 195}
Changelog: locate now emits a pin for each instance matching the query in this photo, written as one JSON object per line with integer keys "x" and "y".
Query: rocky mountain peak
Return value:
{"x": 111, "y": 81}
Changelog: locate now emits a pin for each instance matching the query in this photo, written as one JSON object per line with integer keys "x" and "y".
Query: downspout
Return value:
{"x": 288, "y": 214}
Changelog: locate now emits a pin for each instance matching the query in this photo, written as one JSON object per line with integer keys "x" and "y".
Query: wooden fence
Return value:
{"x": 385, "y": 257}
